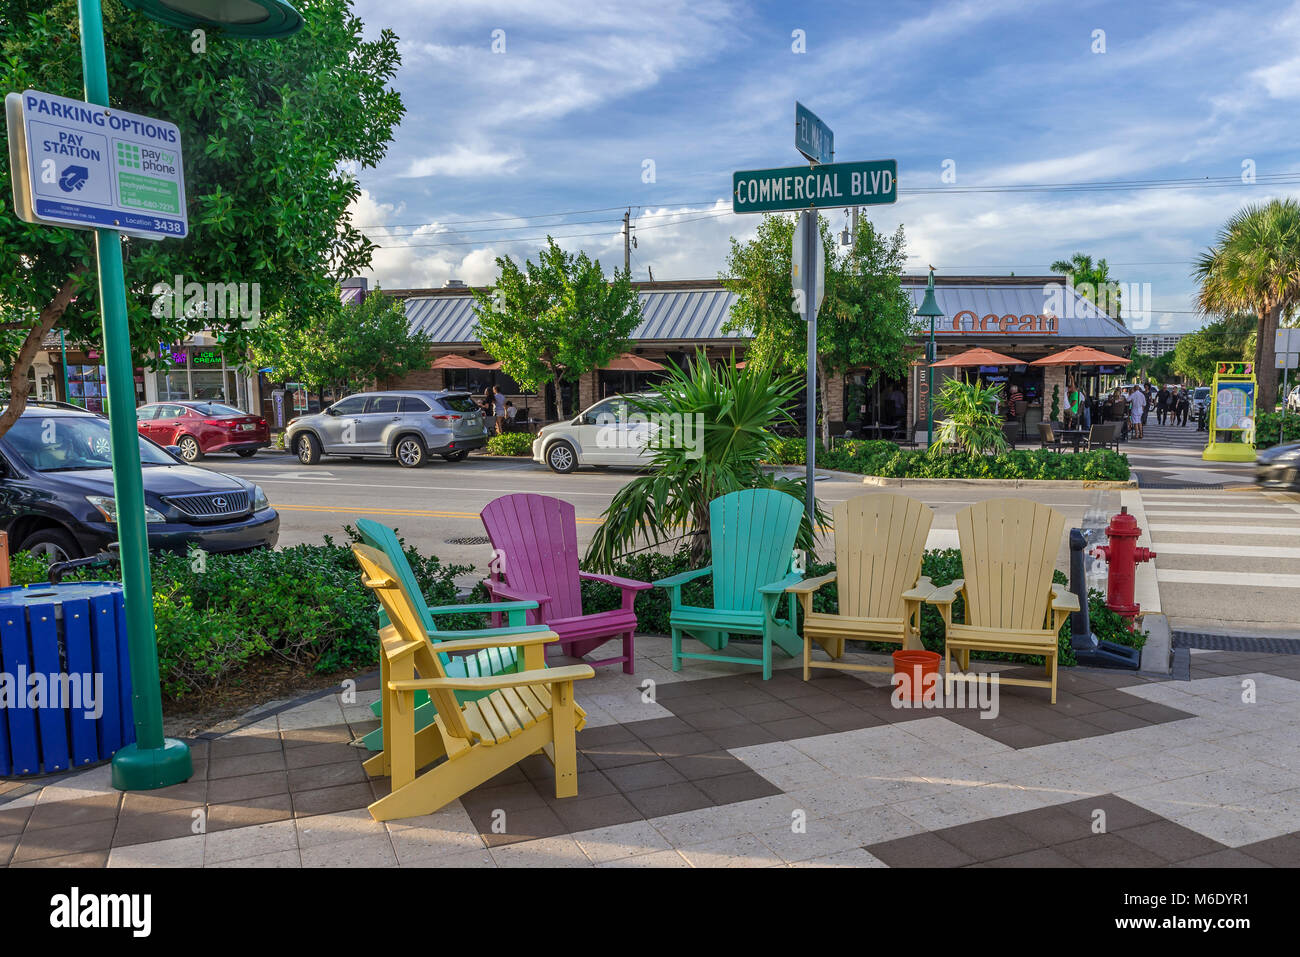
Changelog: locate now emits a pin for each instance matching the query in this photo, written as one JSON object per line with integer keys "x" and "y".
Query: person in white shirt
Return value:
{"x": 1138, "y": 399}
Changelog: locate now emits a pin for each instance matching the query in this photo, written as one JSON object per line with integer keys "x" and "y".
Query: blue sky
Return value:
{"x": 584, "y": 94}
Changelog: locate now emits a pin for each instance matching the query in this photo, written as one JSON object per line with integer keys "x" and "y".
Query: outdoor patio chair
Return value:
{"x": 535, "y": 540}
{"x": 1103, "y": 436}
{"x": 1048, "y": 438}
{"x": 520, "y": 714}
{"x": 486, "y": 662}
{"x": 879, "y": 543}
{"x": 1008, "y": 554}
{"x": 752, "y": 533}
{"x": 1011, "y": 432}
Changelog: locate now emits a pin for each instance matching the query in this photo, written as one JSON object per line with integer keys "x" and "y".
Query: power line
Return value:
{"x": 531, "y": 239}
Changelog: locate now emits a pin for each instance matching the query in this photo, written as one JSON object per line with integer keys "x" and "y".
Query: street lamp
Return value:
{"x": 152, "y": 760}
{"x": 929, "y": 307}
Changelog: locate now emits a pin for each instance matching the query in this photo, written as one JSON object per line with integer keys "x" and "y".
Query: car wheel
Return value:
{"x": 189, "y": 447}
{"x": 246, "y": 453}
{"x": 457, "y": 456}
{"x": 54, "y": 543}
{"x": 307, "y": 449}
{"x": 409, "y": 452}
{"x": 562, "y": 458}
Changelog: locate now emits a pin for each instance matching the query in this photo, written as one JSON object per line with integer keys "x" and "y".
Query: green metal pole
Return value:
{"x": 152, "y": 761}
{"x": 63, "y": 348}
{"x": 929, "y": 391}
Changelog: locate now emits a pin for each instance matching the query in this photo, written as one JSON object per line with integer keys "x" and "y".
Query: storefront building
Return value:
{"x": 1023, "y": 317}
{"x": 198, "y": 369}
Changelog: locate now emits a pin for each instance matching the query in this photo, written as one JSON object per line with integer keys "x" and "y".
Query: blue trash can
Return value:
{"x": 65, "y": 676}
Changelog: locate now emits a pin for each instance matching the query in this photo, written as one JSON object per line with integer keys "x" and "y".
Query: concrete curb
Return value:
{"x": 996, "y": 483}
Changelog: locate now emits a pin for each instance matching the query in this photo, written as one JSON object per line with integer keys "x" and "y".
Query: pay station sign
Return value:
{"x": 86, "y": 166}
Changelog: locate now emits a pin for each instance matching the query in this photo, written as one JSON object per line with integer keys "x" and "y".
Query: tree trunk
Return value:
{"x": 559, "y": 396}
{"x": 1265, "y": 373}
{"x": 824, "y": 395}
{"x": 19, "y": 388}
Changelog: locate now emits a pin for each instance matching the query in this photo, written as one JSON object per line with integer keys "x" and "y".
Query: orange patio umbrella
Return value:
{"x": 628, "y": 362}
{"x": 1080, "y": 356}
{"x": 453, "y": 361}
{"x": 976, "y": 357}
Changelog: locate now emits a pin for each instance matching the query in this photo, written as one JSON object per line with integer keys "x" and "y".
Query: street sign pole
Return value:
{"x": 152, "y": 761}
{"x": 811, "y": 238}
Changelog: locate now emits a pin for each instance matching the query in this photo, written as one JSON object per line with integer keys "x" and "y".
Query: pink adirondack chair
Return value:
{"x": 535, "y": 538}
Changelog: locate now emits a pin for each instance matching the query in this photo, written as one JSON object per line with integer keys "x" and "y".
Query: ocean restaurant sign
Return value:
{"x": 1044, "y": 324}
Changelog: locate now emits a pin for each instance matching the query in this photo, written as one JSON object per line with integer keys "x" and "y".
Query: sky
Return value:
{"x": 534, "y": 117}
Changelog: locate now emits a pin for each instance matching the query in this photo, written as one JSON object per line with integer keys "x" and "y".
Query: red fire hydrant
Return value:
{"x": 1122, "y": 555}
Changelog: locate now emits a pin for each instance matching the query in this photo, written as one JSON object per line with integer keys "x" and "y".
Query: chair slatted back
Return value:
{"x": 381, "y": 577}
{"x": 538, "y": 537}
{"x": 1008, "y": 554}
{"x": 879, "y": 544}
{"x": 752, "y": 533}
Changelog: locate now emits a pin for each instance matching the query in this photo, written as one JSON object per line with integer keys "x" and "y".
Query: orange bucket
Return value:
{"x": 915, "y": 665}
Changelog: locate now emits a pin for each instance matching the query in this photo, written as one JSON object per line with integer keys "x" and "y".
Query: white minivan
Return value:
{"x": 611, "y": 432}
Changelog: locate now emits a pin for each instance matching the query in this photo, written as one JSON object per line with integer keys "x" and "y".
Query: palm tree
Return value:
{"x": 1255, "y": 267}
{"x": 1092, "y": 281}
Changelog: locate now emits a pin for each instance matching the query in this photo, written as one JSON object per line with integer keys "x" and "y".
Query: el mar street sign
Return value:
{"x": 812, "y": 137}
{"x": 872, "y": 183}
{"x": 85, "y": 166}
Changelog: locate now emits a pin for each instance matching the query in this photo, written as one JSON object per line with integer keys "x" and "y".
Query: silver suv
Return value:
{"x": 407, "y": 426}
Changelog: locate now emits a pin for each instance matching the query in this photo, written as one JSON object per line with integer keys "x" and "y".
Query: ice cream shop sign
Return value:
{"x": 1044, "y": 324}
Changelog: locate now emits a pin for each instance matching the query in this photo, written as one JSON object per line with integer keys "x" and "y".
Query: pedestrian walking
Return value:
{"x": 1182, "y": 404}
{"x": 1162, "y": 405}
{"x": 1138, "y": 411}
{"x": 499, "y": 409}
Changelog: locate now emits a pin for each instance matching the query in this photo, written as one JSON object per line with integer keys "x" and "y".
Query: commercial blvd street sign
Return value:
{"x": 873, "y": 183}
{"x": 812, "y": 137}
{"x": 85, "y": 166}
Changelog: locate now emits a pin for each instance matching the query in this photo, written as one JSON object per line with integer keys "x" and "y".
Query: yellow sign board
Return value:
{"x": 1232, "y": 414}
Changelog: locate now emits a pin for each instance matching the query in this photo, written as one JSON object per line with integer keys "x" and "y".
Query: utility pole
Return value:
{"x": 627, "y": 241}
{"x": 854, "y": 241}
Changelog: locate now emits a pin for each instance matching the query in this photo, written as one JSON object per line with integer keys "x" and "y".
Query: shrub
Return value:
{"x": 510, "y": 443}
{"x": 1268, "y": 429}
{"x": 887, "y": 460}
{"x": 971, "y": 424}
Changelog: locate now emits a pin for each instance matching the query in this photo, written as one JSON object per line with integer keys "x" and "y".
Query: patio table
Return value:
{"x": 1075, "y": 437}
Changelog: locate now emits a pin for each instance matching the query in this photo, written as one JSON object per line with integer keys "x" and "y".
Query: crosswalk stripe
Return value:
{"x": 1236, "y": 551}
{"x": 1278, "y": 513}
{"x": 1221, "y": 529}
{"x": 1189, "y": 576}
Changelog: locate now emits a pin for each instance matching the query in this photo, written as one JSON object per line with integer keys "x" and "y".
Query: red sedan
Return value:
{"x": 200, "y": 428}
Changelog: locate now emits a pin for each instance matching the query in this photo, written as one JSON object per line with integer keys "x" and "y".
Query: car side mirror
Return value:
{"x": 331, "y": 411}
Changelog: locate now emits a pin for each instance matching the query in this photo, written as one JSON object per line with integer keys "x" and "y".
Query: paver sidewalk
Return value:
{"x": 712, "y": 767}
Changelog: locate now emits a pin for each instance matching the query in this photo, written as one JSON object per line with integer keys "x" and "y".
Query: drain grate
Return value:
{"x": 1269, "y": 646}
{"x": 471, "y": 540}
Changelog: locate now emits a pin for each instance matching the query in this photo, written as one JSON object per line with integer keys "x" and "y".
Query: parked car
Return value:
{"x": 1200, "y": 399}
{"x": 56, "y": 492}
{"x": 1279, "y": 467}
{"x": 601, "y": 435}
{"x": 407, "y": 426}
{"x": 201, "y": 428}
{"x": 1293, "y": 400}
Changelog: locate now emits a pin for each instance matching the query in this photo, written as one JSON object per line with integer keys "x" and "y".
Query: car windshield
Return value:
{"x": 213, "y": 408}
{"x": 65, "y": 443}
{"x": 458, "y": 403}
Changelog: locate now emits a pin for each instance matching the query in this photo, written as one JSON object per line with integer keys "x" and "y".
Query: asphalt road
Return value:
{"x": 437, "y": 506}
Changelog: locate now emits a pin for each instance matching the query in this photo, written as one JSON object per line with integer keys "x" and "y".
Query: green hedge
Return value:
{"x": 887, "y": 460}
{"x": 303, "y": 604}
{"x": 511, "y": 443}
{"x": 940, "y": 566}
{"x": 1269, "y": 425}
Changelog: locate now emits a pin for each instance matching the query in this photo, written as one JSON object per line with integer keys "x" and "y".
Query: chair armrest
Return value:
{"x": 492, "y": 606}
{"x": 1063, "y": 599}
{"x": 543, "y": 677}
{"x": 624, "y": 583}
{"x": 922, "y": 592}
{"x": 777, "y": 587}
{"x": 443, "y": 638}
{"x": 674, "y": 580}
{"x": 947, "y": 594}
{"x": 810, "y": 585}
{"x": 513, "y": 595}
{"x": 496, "y": 641}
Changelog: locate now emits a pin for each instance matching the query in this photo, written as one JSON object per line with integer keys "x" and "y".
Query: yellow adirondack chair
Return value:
{"x": 879, "y": 544}
{"x": 527, "y": 712}
{"x": 1008, "y": 554}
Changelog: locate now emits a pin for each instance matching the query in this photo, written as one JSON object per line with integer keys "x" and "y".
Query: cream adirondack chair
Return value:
{"x": 524, "y": 713}
{"x": 1008, "y": 554}
{"x": 879, "y": 544}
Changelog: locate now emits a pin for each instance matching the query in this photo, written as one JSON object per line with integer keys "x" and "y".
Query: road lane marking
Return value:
{"x": 1223, "y": 529}
{"x": 1227, "y": 514}
{"x": 1236, "y": 551}
{"x": 411, "y": 488}
{"x": 413, "y": 513}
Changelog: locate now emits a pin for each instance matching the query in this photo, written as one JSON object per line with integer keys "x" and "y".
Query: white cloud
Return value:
{"x": 464, "y": 161}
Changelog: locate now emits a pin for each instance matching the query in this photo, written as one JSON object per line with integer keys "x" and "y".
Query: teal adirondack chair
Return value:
{"x": 486, "y": 663}
{"x": 752, "y": 533}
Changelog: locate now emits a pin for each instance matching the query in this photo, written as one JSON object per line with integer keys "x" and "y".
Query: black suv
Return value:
{"x": 56, "y": 492}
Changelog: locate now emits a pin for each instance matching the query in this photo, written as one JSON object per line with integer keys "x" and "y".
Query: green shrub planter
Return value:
{"x": 511, "y": 443}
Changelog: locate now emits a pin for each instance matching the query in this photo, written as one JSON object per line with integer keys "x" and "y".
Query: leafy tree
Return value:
{"x": 1223, "y": 340}
{"x": 269, "y": 132}
{"x": 727, "y": 416}
{"x": 1139, "y": 366}
{"x": 345, "y": 347}
{"x": 1092, "y": 281}
{"x": 866, "y": 319}
{"x": 971, "y": 424}
{"x": 1255, "y": 267}
{"x": 556, "y": 319}
{"x": 1162, "y": 369}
